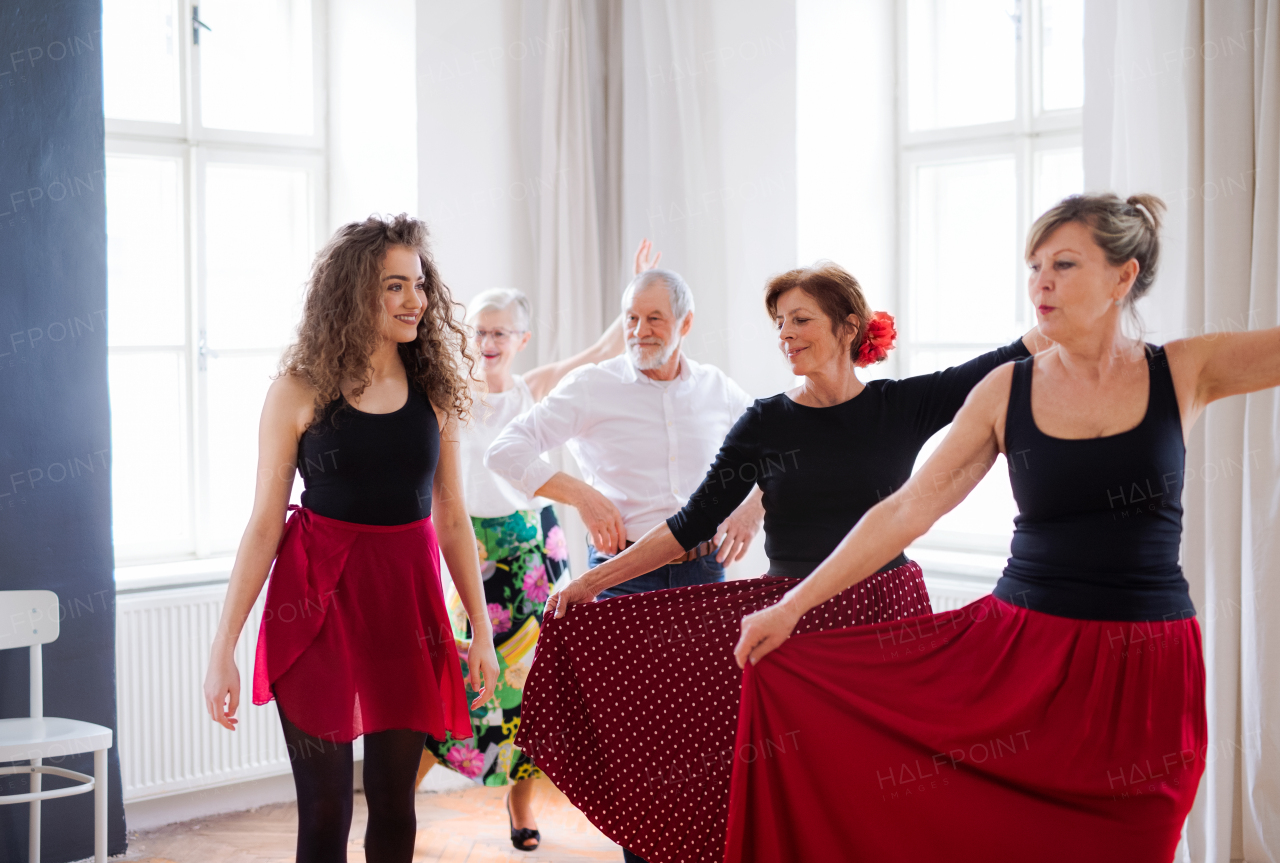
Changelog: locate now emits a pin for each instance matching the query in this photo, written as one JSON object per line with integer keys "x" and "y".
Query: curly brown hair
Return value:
{"x": 342, "y": 318}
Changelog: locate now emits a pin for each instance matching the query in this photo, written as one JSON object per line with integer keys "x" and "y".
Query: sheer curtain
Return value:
{"x": 671, "y": 150}
{"x": 1184, "y": 101}
{"x": 672, "y": 120}
{"x": 621, "y": 131}
{"x": 569, "y": 107}
{"x": 647, "y": 118}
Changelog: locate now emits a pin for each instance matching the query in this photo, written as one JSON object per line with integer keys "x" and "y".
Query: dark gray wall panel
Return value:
{"x": 55, "y": 492}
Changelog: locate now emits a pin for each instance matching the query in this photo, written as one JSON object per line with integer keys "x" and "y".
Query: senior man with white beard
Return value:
{"x": 644, "y": 427}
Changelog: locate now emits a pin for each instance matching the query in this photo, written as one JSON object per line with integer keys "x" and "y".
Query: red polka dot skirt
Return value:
{"x": 632, "y": 704}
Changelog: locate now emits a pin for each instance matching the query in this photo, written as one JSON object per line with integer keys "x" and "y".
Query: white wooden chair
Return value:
{"x": 29, "y": 618}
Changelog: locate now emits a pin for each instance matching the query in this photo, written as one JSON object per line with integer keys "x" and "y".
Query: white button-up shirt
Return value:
{"x": 644, "y": 444}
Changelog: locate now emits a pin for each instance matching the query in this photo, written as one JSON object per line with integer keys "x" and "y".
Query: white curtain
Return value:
{"x": 671, "y": 151}
{"x": 570, "y": 111}
{"x": 1184, "y": 100}
{"x": 666, "y": 119}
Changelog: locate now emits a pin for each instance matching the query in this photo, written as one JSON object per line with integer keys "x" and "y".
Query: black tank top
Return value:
{"x": 371, "y": 468}
{"x": 1099, "y": 519}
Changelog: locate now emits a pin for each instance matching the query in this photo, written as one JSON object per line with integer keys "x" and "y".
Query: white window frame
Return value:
{"x": 197, "y": 146}
{"x": 1031, "y": 131}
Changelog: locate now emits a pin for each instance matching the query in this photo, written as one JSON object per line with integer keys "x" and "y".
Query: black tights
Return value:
{"x": 322, "y": 775}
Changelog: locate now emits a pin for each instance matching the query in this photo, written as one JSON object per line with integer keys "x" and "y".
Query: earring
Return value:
{"x": 1117, "y": 301}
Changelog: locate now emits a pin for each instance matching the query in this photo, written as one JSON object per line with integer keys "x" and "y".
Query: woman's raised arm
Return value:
{"x": 611, "y": 343}
{"x": 543, "y": 379}
{"x": 959, "y": 463}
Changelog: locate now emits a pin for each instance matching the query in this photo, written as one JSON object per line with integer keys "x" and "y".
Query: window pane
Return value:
{"x": 1061, "y": 54}
{"x": 985, "y": 517}
{"x": 255, "y": 66}
{"x": 258, "y": 246}
{"x": 1058, "y": 173}
{"x": 963, "y": 252}
{"x": 961, "y": 62}
{"x": 150, "y": 490}
{"x": 237, "y": 388}
{"x": 145, "y": 285}
{"x": 141, "y": 78}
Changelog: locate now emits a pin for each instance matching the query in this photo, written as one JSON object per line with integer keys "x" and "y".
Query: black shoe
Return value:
{"x": 523, "y": 835}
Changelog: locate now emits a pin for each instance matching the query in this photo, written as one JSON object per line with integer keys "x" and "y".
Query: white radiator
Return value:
{"x": 167, "y": 743}
{"x": 947, "y": 594}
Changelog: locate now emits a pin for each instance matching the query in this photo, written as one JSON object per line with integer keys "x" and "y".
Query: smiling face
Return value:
{"x": 497, "y": 338}
{"x": 403, "y": 293}
{"x": 1072, "y": 286}
{"x": 805, "y": 335}
{"x": 652, "y": 332}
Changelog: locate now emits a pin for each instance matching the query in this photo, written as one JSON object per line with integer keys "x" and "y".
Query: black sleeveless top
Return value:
{"x": 371, "y": 468}
{"x": 821, "y": 469}
{"x": 1100, "y": 519}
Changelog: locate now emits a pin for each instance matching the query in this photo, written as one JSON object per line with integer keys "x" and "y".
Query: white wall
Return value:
{"x": 758, "y": 106}
{"x": 470, "y": 188}
{"x": 373, "y": 127}
{"x": 757, "y": 42}
{"x": 846, "y": 133}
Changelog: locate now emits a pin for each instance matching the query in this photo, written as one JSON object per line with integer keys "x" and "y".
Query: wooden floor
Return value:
{"x": 456, "y": 826}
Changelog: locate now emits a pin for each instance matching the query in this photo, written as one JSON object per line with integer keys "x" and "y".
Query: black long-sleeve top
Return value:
{"x": 821, "y": 469}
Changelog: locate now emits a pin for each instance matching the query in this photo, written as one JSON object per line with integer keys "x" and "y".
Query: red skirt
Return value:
{"x": 632, "y": 703}
{"x": 989, "y": 733}
{"x": 355, "y": 637}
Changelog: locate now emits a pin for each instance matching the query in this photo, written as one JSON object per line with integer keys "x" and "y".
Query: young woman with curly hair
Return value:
{"x": 355, "y": 638}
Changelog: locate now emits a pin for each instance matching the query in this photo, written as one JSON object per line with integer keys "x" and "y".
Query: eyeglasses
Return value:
{"x": 500, "y": 337}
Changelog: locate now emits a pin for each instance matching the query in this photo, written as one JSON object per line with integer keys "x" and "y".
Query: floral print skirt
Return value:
{"x": 522, "y": 556}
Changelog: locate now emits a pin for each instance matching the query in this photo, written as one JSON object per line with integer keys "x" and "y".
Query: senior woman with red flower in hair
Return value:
{"x": 823, "y": 454}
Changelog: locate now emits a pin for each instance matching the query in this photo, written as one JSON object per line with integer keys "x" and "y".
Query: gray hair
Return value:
{"x": 677, "y": 291}
{"x": 497, "y": 299}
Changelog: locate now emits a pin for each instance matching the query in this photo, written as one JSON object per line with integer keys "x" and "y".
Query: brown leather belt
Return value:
{"x": 702, "y": 549}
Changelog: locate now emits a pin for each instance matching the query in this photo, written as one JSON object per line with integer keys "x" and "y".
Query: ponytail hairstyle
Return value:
{"x": 839, "y": 295}
{"x": 1124, "y": 230}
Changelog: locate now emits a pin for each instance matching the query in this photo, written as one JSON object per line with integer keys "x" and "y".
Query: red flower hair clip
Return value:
{"x": 877, "y": 341}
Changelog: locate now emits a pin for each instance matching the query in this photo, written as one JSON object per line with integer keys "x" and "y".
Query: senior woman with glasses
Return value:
{"x": 522, "y": 548}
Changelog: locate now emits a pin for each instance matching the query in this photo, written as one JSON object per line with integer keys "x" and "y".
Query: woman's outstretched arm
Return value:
{"x": 285, "y": 414}
{"x": 657, "y": 547}
{"x": 543, "y": 379}
{"x": 938, "y": 396}
{"x": 727, "y": 504}
{"x": 458, "y": 546}
{"x": 1212, "y": 367}
{"x": 959, "y": 464}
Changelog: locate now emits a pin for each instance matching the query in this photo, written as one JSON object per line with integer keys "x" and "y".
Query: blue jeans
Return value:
{"x": 704, "y": 570}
